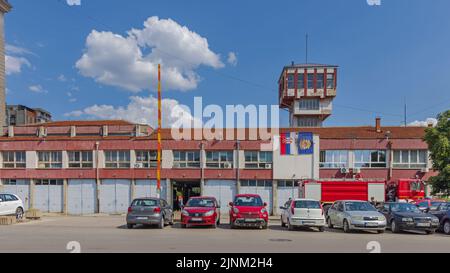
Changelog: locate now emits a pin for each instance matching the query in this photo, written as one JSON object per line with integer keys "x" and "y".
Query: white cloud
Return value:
{"x": 73, "y": 2}
{"x": 14, "y": 65}
{"x": 232, "y": 59}
{"x": 12, "y": 49}
{"x": 130, "y": 61}
{"x": 37, "y": 89}
{"x": 424, "y": 123}
{"x": 142, "y": 110}
{"x": 62, "y": 78}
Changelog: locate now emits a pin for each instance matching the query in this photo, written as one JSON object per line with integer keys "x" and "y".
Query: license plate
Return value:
{"x": 371, "y": 224}
{"x": 308, "y": 222}
{"x": 196, "y": 219}
{"x": 423, "y": 224}
{"x": 250, "y": 220}
{"x": 142, "y": 218}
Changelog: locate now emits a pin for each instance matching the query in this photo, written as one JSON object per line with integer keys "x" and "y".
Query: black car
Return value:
{"x": 443, "y": 213}
{"x": 405, "y": 216}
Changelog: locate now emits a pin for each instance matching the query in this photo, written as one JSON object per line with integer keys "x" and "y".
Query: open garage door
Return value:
{"x": 223, "y": 190}
{"x": 20, "y": 188}
{"x": 147, "y": 188}
{"x": 81, "y": 197}
{"x": 48, "y": 195}
{"x": 261, "y": 187}
{"x": 115, "y": 196}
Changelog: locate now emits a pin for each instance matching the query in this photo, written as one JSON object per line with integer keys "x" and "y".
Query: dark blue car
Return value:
{"x": 443, "y": 213}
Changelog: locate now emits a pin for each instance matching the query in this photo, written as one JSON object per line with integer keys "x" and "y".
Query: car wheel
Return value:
{"x": 394, "y": 227}
{"x": 321, "y": 229}
{"x": 346, "y": 227}
{"x": 330, "y": 225}
{"x": 130, "y": 226}
{"x": 19, "y": 213}
{"x": 282, "y": 223}
{"x": 161, "y": 223}
{"x": 447, "y": 227}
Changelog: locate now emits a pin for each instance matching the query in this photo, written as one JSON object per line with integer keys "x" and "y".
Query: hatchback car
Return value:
{"x": 443, "y": 213}
{"x": 303, "y": 213}
{"x": 149, "y": 211}
{"x": 355, "y": 215}
{"x": 404, "y": 216}
{"x": 427, "y": 205}
{"x": 11, "y": 204}
{"x": 201, "y": 211}
{"x": 248, "y": 210}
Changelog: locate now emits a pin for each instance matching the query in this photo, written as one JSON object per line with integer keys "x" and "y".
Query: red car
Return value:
{"x": 248, "y": 210}
{"x": 201, "y": 211}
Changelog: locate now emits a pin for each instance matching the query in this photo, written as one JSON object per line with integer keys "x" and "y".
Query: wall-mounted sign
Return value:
{"x": 305, "y": 143}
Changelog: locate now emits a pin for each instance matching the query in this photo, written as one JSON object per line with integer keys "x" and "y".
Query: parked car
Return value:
{"x": 443, "y": 213}
{"x": 405, "y": 216}
{"x": 11, "y": 204}
{"x": 303, "y": 213}
{"x": 149, "y": 211}
{"x": 428, "y": 204}
{"x": 248, "y": 210}
{"x": 201, "y": 211}
{"x": 355, "y": 215}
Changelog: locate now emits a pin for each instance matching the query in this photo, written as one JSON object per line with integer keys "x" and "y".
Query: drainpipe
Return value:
{"x": 202, "y": 169}
{"x": 238, "y": 172}
{"x": 97, "y": 178}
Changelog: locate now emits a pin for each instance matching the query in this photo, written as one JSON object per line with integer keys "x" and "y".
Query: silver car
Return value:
{"x": 149, "y": 211}
{"x": 355, "y": 215}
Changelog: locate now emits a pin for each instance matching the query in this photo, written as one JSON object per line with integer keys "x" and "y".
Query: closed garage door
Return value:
{"x": 261, "y": 187}
{"x": 147, "y": 188}
{"x": 285, "y": 190}
{"x": 81, "y": 197}
{"x": 223, "y": 190}
{"x": 48, "y": 195}
{"x": 20, "y": 188}
{"x": 115, "y": 196}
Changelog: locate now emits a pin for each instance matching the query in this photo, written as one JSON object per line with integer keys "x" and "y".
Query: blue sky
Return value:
{"x": 387, "y": 54}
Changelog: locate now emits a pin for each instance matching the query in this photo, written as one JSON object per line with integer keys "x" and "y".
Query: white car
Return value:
{"x": 10, "y": 204}
{"x": 303, "y": 213}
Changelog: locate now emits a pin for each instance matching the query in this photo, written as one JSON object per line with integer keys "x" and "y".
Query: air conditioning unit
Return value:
{"x": 424, "y": 170}
{"x": 357, "y": 170}
{"x": 138, "y": 165}
{"x": 227, "y": 165}
{"x": 344, "y": 170}
{"x": 268, "y": 166}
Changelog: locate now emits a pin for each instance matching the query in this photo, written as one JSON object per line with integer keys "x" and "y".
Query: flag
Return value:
{"x": 305, "y": 143}
{"x": 285, "y": 144}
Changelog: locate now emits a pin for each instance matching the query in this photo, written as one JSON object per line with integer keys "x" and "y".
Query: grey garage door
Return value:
{"x": 286, "y": 190}
{"x": 223, "y": 190}
{"x": 147, "y": 188}
{"x": 115, "y": 196}
{"x": 81, "y": 197}
{"x": 20, "y": 188}
{"x": 260, "y": 187}
{"x": 48, "y": 195}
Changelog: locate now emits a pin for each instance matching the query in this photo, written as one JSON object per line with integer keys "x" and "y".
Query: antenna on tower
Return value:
{"x": 306, "y": 57}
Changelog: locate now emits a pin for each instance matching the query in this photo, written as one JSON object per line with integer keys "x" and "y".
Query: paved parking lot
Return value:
{"x": 108, "y": 234}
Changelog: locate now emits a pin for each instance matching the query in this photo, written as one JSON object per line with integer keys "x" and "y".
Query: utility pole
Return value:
{"x": 158, "y": 171}
{"x": 405, "y": 114}
{"x": 306, "y": 57}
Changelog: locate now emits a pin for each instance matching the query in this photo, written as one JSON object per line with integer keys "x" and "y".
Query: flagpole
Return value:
{"x": 158, "y": 171}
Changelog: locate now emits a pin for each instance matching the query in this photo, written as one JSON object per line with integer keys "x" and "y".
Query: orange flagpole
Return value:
{"x": 158, "y": 171}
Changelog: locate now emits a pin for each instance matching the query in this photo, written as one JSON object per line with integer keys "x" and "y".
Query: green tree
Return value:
{"x": 438, "y": 139}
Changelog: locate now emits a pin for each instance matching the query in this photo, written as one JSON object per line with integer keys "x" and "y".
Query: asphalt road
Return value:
{"x": 108, "y": 234}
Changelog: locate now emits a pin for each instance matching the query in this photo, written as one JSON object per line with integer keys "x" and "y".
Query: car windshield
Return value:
{"x": 248, "y": 201}
{"x": 200, "y": 202}
{"x": 404, "y": 207}
{"x": 307, "y": 205}
{"x": 359, "y": 206}
{"x": 145, "y": 203}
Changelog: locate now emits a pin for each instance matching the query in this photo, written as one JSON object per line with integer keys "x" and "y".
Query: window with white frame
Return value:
{"x": 334, "y": 159}
{"x": 186, "y": 159}
{"x": 410, "y": 159}
{"x": 308, "y": 122}
{"x": 309, "y": 104}
{"x": 290, "y": 81}
{"x": 50, "y": 160}
{"x": 330, "y": 81}
{"x": 256, "y": 183}
{"x": 286, "y": 184}
{"x": 80, "y": 159}
{"x": 370, "y": 158}
{"x": 219, "y": 159}
{"x": 49, "y": 182}
{"x": 14, "y": 160}
{"x": 320, "y": 80}
{"x": 147, "y": 159}
{"x": 117, "y": 159}
{"x": 258, "y": 159}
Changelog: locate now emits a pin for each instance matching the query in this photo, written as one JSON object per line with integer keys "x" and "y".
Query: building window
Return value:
{"x": 117, "y": 159}
{"x": 256, "y": 183}
{"x": 310, "y": 81}
{"x": 330, "y": 81}
{"x": 51, "y": 182}
{"x": 147, "y": 159}
{"x": 320, "y": 80}
{"x": 11, "y": 182}
{"x": 334, "y": 159}
{"x": 258, "y": 160}
{"x": 309, "y": 104}
{"x": 14, "y": 160}
{"x": 186, "y": 159}
{"x": 80, "y": 159}
{"x": 410, "y": 159}
{"x": 308, "y": 122}
{"x": 290, "y": 81}
{"x": 301, "y": 81}
{"x": 50, "y": 160}
{"x": 370, "y": 159}
{"x": 286, "y": 184}
{"x": 219, "y": 160}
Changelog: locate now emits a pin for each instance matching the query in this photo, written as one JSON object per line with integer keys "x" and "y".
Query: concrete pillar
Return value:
{"x": 31, "y": 193}
{"x": 133, "y": 188}
{"x": 169, "y": 192}
{"x": 1, "y": 185}
{"x": 65, "y": 196}
{"x": 274, "y": 197}
{"x": 98, "y": 194}
{"x": 4, "y": 8}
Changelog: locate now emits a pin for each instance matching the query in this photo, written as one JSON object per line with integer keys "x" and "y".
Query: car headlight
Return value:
{"x": 185, "y": 212}
{"x": 381, "y": 218}
{"x": 209, "y": 213}
{"x": 407, "y": 219}
{"x": 435, "y": 220}
{"x": 235, "y": 210}
{"x": 357, "y": 218}
{"x": 263, "y": 210}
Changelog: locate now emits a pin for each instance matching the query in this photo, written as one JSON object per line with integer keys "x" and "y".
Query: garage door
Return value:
{"x": 147, "y": 188}
{"x": 223, "y": 190}
{"x": 48, "y": 195}
{"x": 115, "y": 196}
{"x": 286, "y": 190}
{"x": 81, "y": 197}
{"x": 261, "y": 187}
{"x": 20, "y": 188}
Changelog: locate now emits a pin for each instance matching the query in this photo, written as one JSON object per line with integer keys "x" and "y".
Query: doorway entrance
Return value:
{"x": 185, "y": 190}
